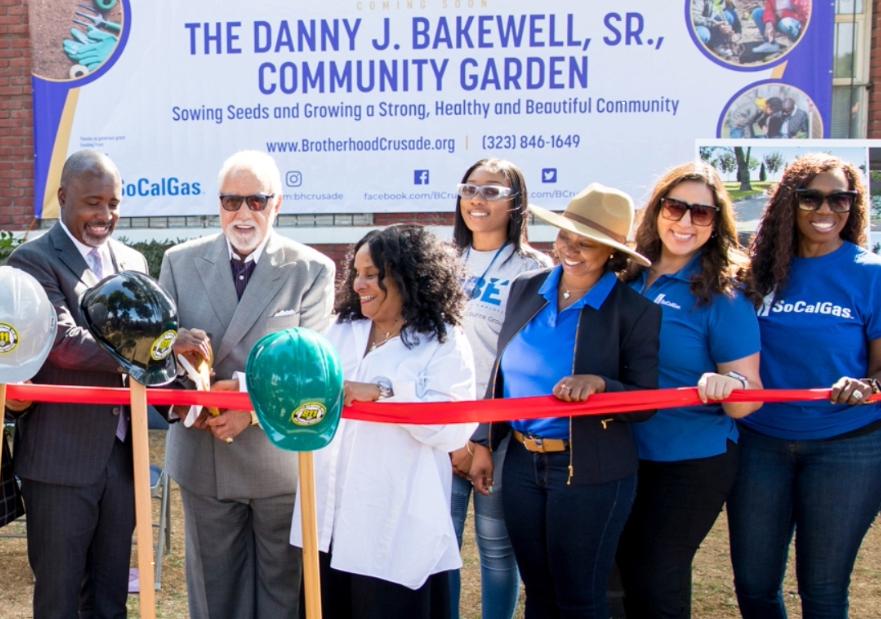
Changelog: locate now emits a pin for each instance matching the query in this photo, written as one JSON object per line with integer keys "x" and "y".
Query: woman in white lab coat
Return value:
{"x": 386, "y": 538}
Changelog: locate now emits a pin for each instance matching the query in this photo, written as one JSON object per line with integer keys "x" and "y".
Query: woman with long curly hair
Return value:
{"x": 385, "y": 534}
{"x": 709, "y": 338}
{"x": 812, "y": 468}
{"x": 490, "y": 234}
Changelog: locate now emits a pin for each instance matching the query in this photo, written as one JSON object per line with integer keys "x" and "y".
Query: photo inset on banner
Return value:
{"x": 772, "y": 110}
{"x": 751, "y": 169}
{"x": 70, "y": 39}
{"x": 749, "y": 33}
{"x": 875, "y": 192}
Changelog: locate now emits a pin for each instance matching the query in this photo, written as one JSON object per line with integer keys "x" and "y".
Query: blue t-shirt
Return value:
{"x": 814, "y": 332}
{"x": 543, "y": 351}
{"x": 694, "y": 340}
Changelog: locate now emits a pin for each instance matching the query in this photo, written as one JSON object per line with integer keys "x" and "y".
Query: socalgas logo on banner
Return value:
{"x": 163, "y": 186}
{"x": 782, "y": 306}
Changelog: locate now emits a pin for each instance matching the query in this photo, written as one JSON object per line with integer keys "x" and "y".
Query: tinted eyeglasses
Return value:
{"x": 490, "y": 193}
{"x": 812, "y": 200}
{"x": 256, "y": 202}
{"x": 701, "y": 214}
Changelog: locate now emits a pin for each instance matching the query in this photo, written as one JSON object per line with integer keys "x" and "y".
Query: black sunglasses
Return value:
{"x": 701, "y": 214}
{"x": 256, "y": 202}
{"x": 812, "y": 200}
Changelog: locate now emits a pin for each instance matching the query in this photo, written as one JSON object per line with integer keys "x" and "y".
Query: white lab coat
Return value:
{"x": 383, "y": 490}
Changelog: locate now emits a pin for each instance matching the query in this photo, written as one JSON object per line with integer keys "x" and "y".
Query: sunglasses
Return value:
{"x": 490, "y": 193}
{"x": 701, "y": 214}
{"x": 812, "y": 200}
{"x": 256, "y": 202}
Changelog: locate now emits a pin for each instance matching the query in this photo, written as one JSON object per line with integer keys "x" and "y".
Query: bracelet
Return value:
{"x": 874, "y": 383}
{"x": 738, "y": 376}
{"x": 469, "y": 448}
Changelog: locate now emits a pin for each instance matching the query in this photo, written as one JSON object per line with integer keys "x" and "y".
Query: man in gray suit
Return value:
{"x": 75, "y": 461}
{"x": 237, "y": 488}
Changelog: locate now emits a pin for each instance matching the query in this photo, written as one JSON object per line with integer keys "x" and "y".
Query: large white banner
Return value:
{"x": 380, "y": 105}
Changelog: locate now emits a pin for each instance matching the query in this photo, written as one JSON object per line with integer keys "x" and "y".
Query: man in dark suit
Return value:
{"x": 75, "y": 461}
{"x": 237, "y": 487}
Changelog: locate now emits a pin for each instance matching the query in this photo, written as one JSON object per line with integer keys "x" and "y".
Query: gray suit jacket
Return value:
{"x": 798, "y": 123}
{"x": 65, "y": 443}
{"x": 291, "y": 286}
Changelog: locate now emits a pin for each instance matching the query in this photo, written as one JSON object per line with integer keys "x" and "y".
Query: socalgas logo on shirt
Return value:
{"x": 662, "y": 299}
{"x": 782, "y": 306}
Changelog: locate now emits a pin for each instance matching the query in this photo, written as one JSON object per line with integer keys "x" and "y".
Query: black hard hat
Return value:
{"x": 135, "y": 320}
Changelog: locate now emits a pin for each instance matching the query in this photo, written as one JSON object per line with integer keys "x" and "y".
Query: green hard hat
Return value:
{"x": 296, "y": 385}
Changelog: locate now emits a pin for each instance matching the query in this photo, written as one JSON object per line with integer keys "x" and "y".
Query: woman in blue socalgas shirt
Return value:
{"x": 709, "y": 338}
{"x": 813, "y": 468}
{"x": 571, "y": 331}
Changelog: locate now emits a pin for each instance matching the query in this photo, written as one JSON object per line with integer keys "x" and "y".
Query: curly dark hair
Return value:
{"x": 517, "y": 214}
{"x": 776, "y": 242}
{"x": 723, "y": 262}
{"x": 428, "y": 275}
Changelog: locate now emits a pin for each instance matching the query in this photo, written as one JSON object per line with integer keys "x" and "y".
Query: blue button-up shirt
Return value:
{"x": 543, "y": 351}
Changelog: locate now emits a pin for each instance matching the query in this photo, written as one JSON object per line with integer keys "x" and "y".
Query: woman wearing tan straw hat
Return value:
{"x": 709, "y": 338}
{"x": 571, "y": 331}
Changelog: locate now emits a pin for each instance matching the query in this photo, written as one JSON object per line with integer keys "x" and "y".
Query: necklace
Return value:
{"x": 567, "y": 292}
{"x": 377, "y": 342}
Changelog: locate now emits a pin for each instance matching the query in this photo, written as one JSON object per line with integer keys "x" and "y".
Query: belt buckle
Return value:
{"x": 534, "y": 444}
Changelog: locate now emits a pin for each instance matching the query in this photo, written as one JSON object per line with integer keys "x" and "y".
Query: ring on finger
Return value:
{"x": 857, "y": 394}
{"x": 565, "y": 388}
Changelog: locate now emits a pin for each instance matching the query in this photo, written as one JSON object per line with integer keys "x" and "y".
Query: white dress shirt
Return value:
{"x": 383, "y": 490}
{"x": 84, "y": 250}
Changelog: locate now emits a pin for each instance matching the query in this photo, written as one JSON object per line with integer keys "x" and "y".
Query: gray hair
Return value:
{"x": 87, "y": 162}
{"x": 257, "y": 162}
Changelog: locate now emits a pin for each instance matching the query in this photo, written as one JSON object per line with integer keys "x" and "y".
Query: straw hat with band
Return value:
{"x": 599, "y": 213}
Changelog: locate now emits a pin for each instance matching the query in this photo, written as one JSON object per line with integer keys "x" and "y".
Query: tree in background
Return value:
{"x": 773, "y": 162}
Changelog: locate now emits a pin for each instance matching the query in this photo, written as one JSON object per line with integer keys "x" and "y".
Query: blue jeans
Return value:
{"x": 789, "y": 26}
{"x": 564, "y": 537}
{"x": 676, "y": 505}
{"x": 499, "y": 579}
{"x": 827, "y": 493}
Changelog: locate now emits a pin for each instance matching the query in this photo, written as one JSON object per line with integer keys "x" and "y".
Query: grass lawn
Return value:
{"x": 713, "y": 596}
{"x": 759, "y": 188}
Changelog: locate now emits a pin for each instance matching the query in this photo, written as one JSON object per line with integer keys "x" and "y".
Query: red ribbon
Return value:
{"x": 429, "y": 412}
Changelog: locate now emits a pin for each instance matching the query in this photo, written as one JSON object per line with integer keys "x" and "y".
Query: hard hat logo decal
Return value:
{"x": 8, "y": 338}
{"x": 162, "y": 345}
{"x": 308, "y": 414}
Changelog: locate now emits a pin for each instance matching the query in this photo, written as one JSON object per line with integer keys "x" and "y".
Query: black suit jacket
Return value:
{"x": 65, "y": 443}
{"x": 618, "y": 341}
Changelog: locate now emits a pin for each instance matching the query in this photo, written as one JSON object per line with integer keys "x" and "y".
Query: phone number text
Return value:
{"x": 515, "y": 141}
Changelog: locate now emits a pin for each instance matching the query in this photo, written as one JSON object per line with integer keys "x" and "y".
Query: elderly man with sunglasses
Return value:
{"x": 238, "y": 489}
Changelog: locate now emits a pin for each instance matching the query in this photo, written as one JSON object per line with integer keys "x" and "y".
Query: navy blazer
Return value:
{"x": 619, "y": 342}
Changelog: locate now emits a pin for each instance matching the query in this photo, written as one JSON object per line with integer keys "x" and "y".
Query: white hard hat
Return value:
{"x": 27, "y": 325}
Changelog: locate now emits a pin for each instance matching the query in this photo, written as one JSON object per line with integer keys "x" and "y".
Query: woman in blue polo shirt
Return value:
{"x": 571, "y": 331}
{"x": 709, "y": 338}
{"x": 812, "y": 468}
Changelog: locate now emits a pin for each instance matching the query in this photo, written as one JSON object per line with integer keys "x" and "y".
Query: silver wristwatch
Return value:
{"x": 385, "y": 387}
